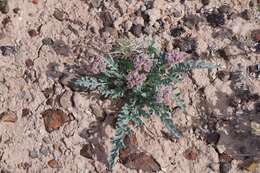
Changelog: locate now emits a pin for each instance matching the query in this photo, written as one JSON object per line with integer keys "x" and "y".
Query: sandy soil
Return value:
{"x": 222, "y": 117}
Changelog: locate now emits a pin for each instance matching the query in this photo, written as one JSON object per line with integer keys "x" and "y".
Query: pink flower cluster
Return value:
{"x": 97, "y": 65}
{"x": 165, "y": 95}
{"x": 142, "y": 65}
{"x": 174, "y": 57}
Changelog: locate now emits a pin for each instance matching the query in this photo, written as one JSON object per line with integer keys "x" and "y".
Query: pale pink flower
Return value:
{"x": 134, "y": 78}
{"x": 174, "y": 56}
{"x": 143, "y": 63}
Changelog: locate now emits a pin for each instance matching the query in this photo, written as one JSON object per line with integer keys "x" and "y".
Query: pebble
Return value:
{"x": 216, "y": 19}
{"x": 142, "y": 161}
{"x": 224, "y": 167}
{"x": 136, "y": 30}
{"x": 33, "y": 154}
{"x": 44, "y": 150}
{"x": 190, "y": 154}
{"x": 61, "y": 48}
{"x": 32, "y": 33}
{"x": 8, "y": 117}
{"x": 95, "y": 3}
{"x": 212, "y": 138}
{"x": 54, "y": 119}
{"x": 177, "y": 31}
{"x": 4, "y": 7}
{"x": 255, "y": 34}
{"x": 187, "y": 45}
{"x": 205, "y": 2}
{"x": 87, "y": 151}
{"x": 47, "y": 41}
{"x": 98, "y": 111}
{"x": 59, "y": 15}
{"x": 245, "y": 14}
{"x": 257, "y": 48}
{"x": 7, "y": 50}
{"x": 223, "y": 75}
{"x": 53, "y": 163}
{"x": 107, "y": 19}
{"x": 192, "y": 21}
{"x": 225, "y": 9}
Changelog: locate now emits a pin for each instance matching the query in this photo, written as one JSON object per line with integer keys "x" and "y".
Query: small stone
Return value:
{"x": 251, "y": 167}
{"x": 205, "y": 2}
{"x": 2, "y": 35}
{"x": 191, "y": 154}
{"x": 26, "y": 112}
{"x": 216, "y": 19}
{"x": 98, "y": 112}
{"x": 192, "y": 21}
{"x": 4, "y": 7}
{"x": 187, "y": 45}
{"x": 16, "y": 10}
{"x": 35, "y": 2}
{"x": 224, "y": 167}
{"x": 60, "y": 15}
{"x": 6, "y": 21}
{"x": 33, "y": 154}
{"x": 8, "y": 117}
{"x": 224, "y": 53}
{"x": 61, "y": 48}
{"x": 245, "y": 14}
{"x": 54, "y": 119}
{"x": 47, "y": 41}
{"x": 255, "y": 34}
{"x": 107, "y": 19}
{"x": 142, "y": 161}
{"x": 136, "y": 30}
{"x": 32, "y": 33}
{"x": 7, "y": 50}
{"x": 225, "y": 9}
{"x": 4, "y": 171}
{"x": 224, "y": 157}
{"x": 212, "y": 138}
{"x": 223, "y": 75}
{"x": 87, "y": 151}
{"x": 44, "y": 150}
{"x": 177, "y": 31}
{"x": 95, "y": 3}
{"x": 29, "y": 63}
{"x": 53, "y": 163}
{"x": 257, "y": 48}
{"x": 221, "y": 148}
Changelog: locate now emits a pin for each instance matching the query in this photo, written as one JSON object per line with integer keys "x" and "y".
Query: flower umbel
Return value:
{"x": 174, "y": 57}
{"x": 143, "y": 63}
{"x": 134, "y": 78}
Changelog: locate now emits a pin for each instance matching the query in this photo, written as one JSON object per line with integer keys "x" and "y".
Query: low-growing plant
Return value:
{"x": 145, "y": 82}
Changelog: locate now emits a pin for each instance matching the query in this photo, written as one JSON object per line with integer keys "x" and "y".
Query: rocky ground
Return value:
{"x": 47, "y": 127}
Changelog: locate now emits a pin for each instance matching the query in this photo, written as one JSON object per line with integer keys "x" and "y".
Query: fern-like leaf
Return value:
{"x": 101, "y": 85}
{"x": 163, "y": 113}
{"x": 122, "y": 130}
